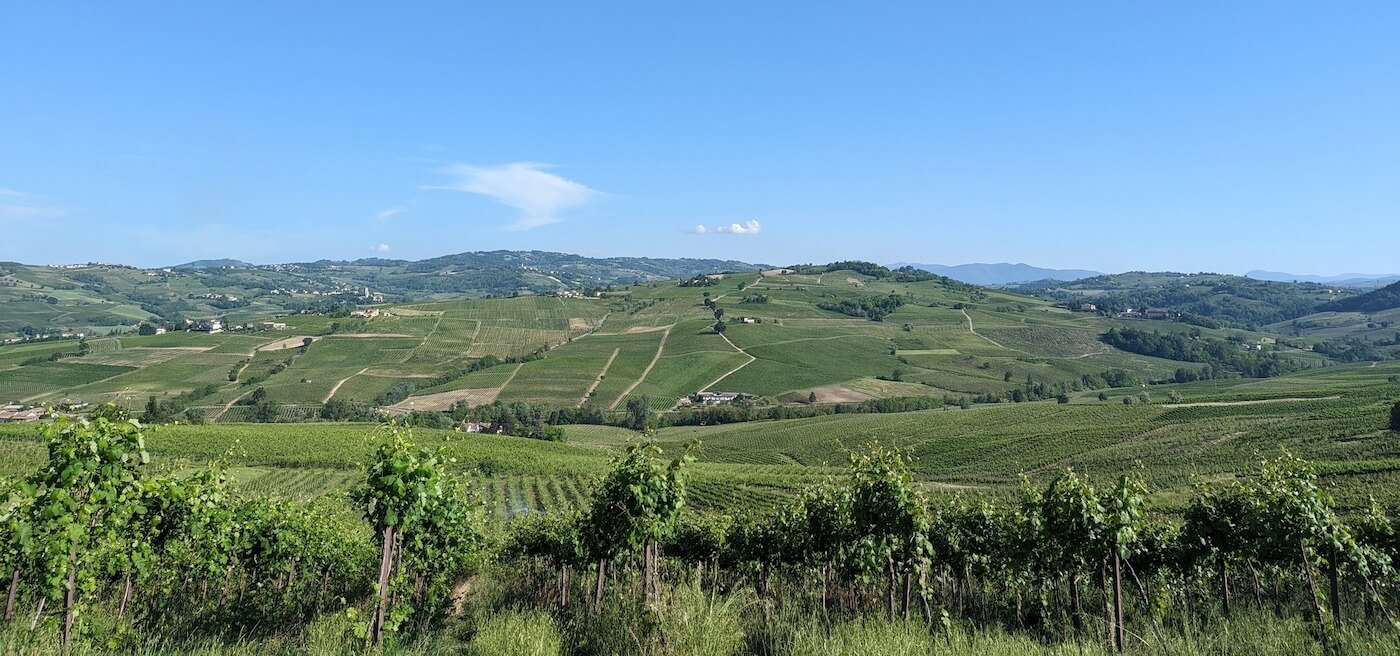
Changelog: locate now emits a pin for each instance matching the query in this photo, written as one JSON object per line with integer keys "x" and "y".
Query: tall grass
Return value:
{"x": 530, "y": 633}
{"x": 505, "y": 614}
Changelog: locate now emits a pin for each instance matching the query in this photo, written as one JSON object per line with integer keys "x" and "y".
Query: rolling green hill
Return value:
{"x": 103, "y": 297}
{"x": 791, "y": 336}
{"x": 1213, "y": 299}
{"x": 1380, "y": 300}
{"x": 1333, "y": 416}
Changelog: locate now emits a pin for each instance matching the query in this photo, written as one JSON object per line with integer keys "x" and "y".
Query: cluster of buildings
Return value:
{"x": 18, "y": 413}
{"x": 577, "y": 293}
{"x": 484, "y": 427}
{"x": 718, "y": 398}
{"x": 42, "y": 338}
{"x": 363, "y": 293}
{"x": 217, "y": 297}
{"x": 1150, "y": 313}
{"x": 217, "y": 326}
{"x": 365, "y": 313}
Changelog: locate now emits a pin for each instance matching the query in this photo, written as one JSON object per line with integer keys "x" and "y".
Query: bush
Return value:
{"x": 1395, "y": 417}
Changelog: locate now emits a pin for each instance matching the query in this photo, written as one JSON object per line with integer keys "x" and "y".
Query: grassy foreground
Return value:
{"x": 495, "y": 618}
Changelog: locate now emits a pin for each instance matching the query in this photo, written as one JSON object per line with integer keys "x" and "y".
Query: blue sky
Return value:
{"x": 1111, "y": 136}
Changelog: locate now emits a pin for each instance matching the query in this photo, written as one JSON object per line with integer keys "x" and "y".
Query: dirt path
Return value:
{"x": 1212, "y": 404}
{"x": 969, "y": 329}
{"x": 103, "y": 380}
{"x": 808, "y": 339}
{"x": 342, "y": 382}
{"x": 599, "y": 380}
{"x": 633, "y": 330}
{"x": 645, "y": 372}
{"x": 230, "y": 404}
{"x": 437, "y": 324}
{"x": 509, "y": 378}
{"x": 239, "y": 374}
{"x": 727, "y": 374}
{"x": 756, "y": 280}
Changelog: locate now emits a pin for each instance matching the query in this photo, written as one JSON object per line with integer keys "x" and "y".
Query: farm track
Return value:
{"x": 103, "y": 380}
{"x": 436, "y": 324}
{"x": 336, "y": 388}
{"x": 755, "y": 282}
{"x": 645, "y": 372}
{"x": 508, "y": 379}
{"x": 807, "y": 339}
{"x": 729, "y": 373}
{"x": 599, "y": 380}
{"x": 230, "y": 404}
{"x": 1217, "y": 404}
{"x": 989, "y": 340}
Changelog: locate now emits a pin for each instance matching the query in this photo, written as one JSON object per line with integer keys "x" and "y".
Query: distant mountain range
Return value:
{"x": 999, "y": 274}
{"x": 1343, "y": 279}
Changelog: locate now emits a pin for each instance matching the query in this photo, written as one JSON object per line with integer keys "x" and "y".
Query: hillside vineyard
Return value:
{"x": 889, "y": 455}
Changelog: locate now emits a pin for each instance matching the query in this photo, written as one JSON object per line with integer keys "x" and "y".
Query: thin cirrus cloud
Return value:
{"x": 18, "y": 206}
{"x": 746, "y": 228}
{"x": 529, "y": 187}
{"x": 389, "y": 213}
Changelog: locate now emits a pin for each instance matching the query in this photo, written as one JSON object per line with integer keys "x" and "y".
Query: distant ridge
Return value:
{"x": 1379, "y": 300}
{"x": 210, "y": 264}
{"x": 1347, "y": 279}
{"x": 1002, "y": 273}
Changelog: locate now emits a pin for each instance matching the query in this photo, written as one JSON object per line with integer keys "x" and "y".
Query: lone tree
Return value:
{"x": 1395, "y": 417}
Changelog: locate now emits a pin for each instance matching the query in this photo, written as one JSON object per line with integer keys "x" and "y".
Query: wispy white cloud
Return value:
{"x": 746, "y": 228}
{"x": 389, "y": 213}
{"x": 18, "y": 206}
{"x": 381, "y": 248}
{"x": 526, "y": 186}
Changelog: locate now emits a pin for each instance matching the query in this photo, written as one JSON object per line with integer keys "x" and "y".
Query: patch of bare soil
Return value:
{"x": 445, "y": 400}
{"x": 840, "y": 394}
{"x": 290, "y": 342}
{"x": 645, "y": 329}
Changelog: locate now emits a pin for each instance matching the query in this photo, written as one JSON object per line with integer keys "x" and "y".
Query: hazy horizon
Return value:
{"x": 1335, "y": 275}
